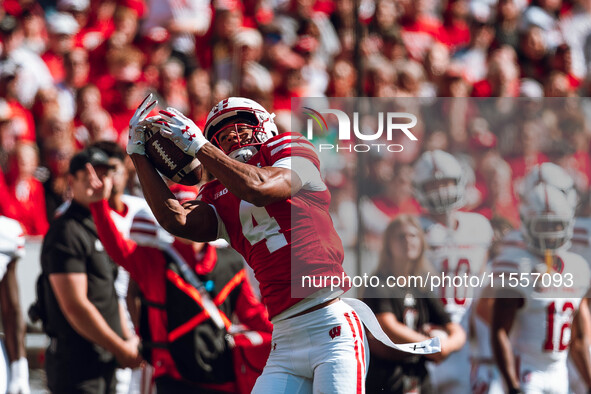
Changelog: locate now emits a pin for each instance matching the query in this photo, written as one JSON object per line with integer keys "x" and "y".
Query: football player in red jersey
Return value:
{"x": 270, "y": 203}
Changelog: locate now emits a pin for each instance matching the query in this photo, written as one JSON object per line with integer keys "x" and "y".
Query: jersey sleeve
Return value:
{"x": 305, "y": 170}
{"x": 289, "y": 145}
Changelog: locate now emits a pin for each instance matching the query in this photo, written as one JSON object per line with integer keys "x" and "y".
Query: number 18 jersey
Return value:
{"x": 285, "y": 242}
{"x": 541, "y": 332}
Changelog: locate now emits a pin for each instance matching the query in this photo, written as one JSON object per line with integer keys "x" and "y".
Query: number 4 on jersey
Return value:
{"x": 257, "y": 225}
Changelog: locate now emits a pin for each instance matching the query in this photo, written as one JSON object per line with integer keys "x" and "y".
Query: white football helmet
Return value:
{"x": 146, "y": 231}
{"x": 552, "y": 175}
{"x": 239, "y": 111}
{"x": 435, "y": 167}
{"x": 547, "y": 219}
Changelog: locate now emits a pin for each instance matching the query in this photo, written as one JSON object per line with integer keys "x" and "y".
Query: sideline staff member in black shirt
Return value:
{"x": 80, "y": 300}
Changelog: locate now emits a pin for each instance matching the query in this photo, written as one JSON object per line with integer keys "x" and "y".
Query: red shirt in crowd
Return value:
{"x": 8, "y": 206}
{"x": 23, "y": 121}
{"x": 419, "y": 35}
{"x": 520, "y": 166}
{"x": 408, "y": 206}
{"x": 455, "y": 35}
{"x": 55, "y": 64}
{"x": 29, "y": 198}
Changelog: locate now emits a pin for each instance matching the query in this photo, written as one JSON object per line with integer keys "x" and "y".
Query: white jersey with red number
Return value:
{"x": 285, "y": 241}
{"x": 540, "y": 334}
{"x": 12, "y": 242}
{"x": 459, "y": 251}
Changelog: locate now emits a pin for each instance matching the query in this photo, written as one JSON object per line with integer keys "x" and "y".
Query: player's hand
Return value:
{"x": 19, "y": 377}
{"x": 98, "y": 189}
{"x": 137, "y": 126}
{"x": 129, "y": 356}
{"x": 181, "y": 130}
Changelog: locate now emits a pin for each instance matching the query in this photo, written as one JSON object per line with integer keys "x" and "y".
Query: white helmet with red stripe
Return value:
{"x": 239, "y": 111}
{"x": 146, "y": 231}
{"x": 547, "y": 219}
{"x": 439, "y": 182}
{"x": 553, "y": 175}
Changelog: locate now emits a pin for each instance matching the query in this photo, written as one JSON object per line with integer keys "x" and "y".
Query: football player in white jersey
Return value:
{"x": 532, "y": 321}
{"x": 485, "y": 375}
{"x": 14, "y": 369}
{"x": 458, "y": 244}
{"x": 556, "y": 176}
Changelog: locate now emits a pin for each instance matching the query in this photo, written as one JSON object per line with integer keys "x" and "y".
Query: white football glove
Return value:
{"x": 19, "y": 377}
{"x": 182, "y": 131}
{"x": 137, "y": 126}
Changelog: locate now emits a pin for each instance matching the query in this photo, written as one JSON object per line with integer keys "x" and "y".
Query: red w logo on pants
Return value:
{"x": 335, "y": 332}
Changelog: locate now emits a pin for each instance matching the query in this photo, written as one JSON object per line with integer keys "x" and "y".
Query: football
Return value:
{"x": 169, "y": 160}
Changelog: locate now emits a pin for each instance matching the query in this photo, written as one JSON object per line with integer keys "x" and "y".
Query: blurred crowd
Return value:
{"x": 73, "y": 71}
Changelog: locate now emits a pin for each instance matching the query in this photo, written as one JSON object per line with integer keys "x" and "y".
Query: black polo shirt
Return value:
{"x": 72, "y": 246}
{"x": 414, "y": 308}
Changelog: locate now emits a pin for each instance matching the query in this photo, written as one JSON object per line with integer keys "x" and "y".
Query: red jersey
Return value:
{"x": 285, "y": 242}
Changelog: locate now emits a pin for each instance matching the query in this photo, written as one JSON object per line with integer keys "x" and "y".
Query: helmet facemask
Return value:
{"x": 547, "y": 219}
{"x": 243, "y": 149}
{"x": 443, "y": 198}
{"x": 548, "y": 232}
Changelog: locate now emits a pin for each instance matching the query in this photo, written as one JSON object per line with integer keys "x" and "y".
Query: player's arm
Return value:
{"x": 503, "y": 315}
{"x": 70, "y": 290}
{"x": 14, "y": 330}
{"x": 195, "y": 220}
{"x": 12, "y": 319}
{"x": 258, "y": 186}
{"x": 579, "y": 346}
